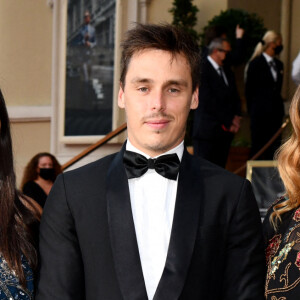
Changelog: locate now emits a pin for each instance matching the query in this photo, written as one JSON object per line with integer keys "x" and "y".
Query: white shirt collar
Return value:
{"x": 268, "y": 57}
{"x": 214, "y": 64}
{"x": 178, "y": 150}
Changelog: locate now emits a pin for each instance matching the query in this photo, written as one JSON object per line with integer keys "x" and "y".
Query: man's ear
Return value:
{"x": 121, "y": 102}
{"x": 195, "y": 99}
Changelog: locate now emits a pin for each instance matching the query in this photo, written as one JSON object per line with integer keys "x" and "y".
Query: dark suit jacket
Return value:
{"x": 263, "y": 94}
{"x": 218, "y": 103}
{"x": 89, "y": 249}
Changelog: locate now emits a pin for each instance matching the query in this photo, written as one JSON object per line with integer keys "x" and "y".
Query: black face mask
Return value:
{"x": 278, "y": 49}
{"x": 47, "y": 173}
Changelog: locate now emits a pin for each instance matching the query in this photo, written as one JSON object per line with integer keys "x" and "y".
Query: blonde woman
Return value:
{"x": 282, "y": 223}
{"x": 263, "y": 93}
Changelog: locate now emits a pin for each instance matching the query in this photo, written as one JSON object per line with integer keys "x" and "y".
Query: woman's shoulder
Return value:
{"x": 277, "y": 201}
{"x": 31, "y": 189}
{"x": 268, "y": 228}
{"x": 30, "y": 185}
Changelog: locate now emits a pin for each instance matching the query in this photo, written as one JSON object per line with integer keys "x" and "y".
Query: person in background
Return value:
{"x": 236, "y": 56}
{"x": 19, "y": 221}
{"x": 218, "y": 115}
{"x": 296, "y": 70}
{"x": 282, "y": 222}
{"x": 87, "y": 32}
{"x": 87, "y": 41}
{"x": 39, "y": 176}
{"x": 264, "y": 75}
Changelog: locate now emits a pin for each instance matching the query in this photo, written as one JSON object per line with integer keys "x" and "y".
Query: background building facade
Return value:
{"x": 35, "y": 37}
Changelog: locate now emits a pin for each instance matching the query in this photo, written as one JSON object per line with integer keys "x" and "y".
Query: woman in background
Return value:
{"x": 19, "y": 221}
{"x": 263, "y": 94}
{"x": 282, "y": 223}
{"x": 39, "y": 176}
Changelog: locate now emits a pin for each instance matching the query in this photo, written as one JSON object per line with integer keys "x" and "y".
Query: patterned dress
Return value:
{"x": 10, "y": 287}
{"x": 283, "y": 257}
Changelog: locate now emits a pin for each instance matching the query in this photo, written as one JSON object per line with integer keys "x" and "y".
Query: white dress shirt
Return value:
{"x": 217, "y": 68}
{"x": 153, "y": 200}
{"x": 270, "y": 59}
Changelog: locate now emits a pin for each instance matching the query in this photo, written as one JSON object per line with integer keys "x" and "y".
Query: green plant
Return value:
{"x": 250, "y": 22}
{"x": 185, "y": 16}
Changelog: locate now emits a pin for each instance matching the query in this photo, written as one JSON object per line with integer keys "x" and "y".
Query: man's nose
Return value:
{"x": 158, "y": 101}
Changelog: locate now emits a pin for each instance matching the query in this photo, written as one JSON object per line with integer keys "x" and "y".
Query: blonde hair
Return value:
{"x": 269, "y": 37}
{"x": 288, "y": 157}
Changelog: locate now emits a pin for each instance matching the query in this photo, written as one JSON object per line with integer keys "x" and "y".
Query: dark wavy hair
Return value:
{"x": 18, "y": 218}
{"x": 162, "y": 37}
{"x": 30, "y": 172}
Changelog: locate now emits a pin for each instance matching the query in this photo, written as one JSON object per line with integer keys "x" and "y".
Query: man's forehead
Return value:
{"x": 152, "y": 51}
{"x": 167, "y": 59}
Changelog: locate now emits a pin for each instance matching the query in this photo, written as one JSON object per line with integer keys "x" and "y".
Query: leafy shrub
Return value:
{"x": 185, "y": 16}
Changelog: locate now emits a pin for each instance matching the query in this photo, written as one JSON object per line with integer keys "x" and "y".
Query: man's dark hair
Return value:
{"x": 162, "y": 37}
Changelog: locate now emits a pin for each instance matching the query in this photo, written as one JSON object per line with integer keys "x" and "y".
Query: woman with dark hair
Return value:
{"x": 39, "y": 176}
{"x": 19, "y": 221}
{"x": 282, "y": 223}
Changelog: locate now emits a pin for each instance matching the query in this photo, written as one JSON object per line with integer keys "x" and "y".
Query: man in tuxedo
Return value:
{"x": 263, "y": 93}
{"x": 152, "y": 221}
{"x": 217, "y": 117}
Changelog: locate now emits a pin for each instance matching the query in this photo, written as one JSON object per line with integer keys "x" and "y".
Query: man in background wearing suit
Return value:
{"x": 217, "y": 117}
{"x": 263, "y": 94}
{"x": 152, "y": 221}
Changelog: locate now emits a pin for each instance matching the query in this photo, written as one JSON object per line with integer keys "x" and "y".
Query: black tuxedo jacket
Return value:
{"x": 263, "y": 93}
{"x": 218, "y": 102}
{"x": 89, "y": 250}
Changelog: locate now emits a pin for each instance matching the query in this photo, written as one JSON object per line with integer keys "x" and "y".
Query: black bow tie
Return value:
{"x": 136, "y": 165}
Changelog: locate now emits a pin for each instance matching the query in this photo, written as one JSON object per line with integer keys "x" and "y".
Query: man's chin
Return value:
{"x": 158, "y": 147}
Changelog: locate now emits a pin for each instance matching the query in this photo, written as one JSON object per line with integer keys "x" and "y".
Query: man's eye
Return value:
{"x": 173, "y": 90}
{"x": 143, "y": 89}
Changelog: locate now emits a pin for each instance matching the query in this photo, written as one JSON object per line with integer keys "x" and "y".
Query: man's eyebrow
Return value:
{"x": 141, "y": 80}
{"x": 179, "y": 82}
{"x": 176, "y": 82}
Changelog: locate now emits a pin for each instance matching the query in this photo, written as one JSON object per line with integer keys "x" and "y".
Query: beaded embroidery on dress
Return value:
{"x": 283, "y": 258}
{"x": 10, "y": 287}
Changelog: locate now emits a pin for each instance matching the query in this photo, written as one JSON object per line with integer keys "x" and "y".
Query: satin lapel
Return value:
{"x": 122, "y": 233}
{"x": 184, "y": 230}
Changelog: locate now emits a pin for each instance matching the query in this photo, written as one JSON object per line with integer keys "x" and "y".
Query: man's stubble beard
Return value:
{"x": 161, "y": 147}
